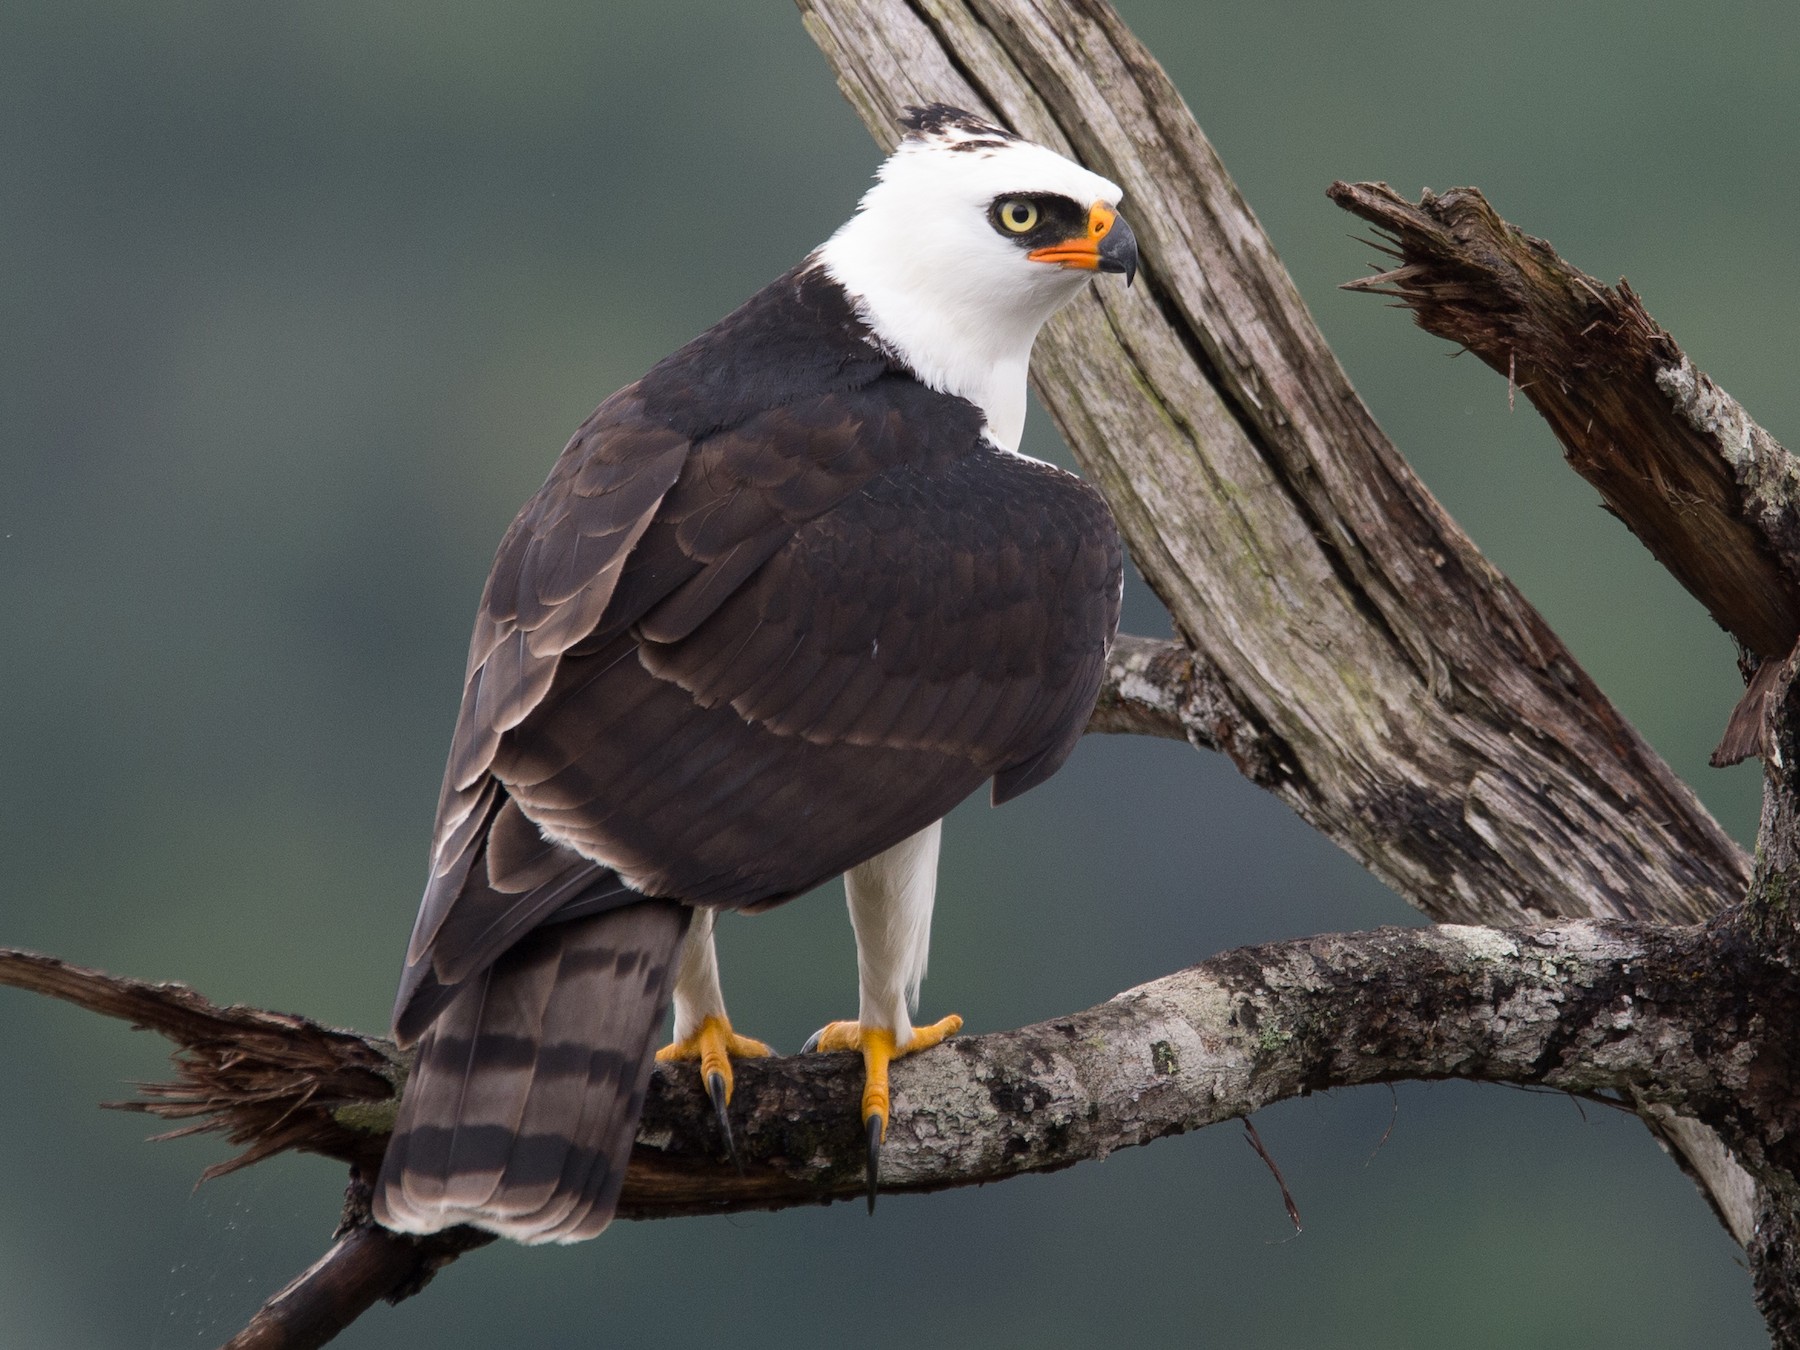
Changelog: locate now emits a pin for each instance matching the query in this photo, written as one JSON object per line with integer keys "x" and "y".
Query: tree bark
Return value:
{"x": 1711, "y": 494}
{"x": 1369, "y": 666}
{"x": 1671, "y": 1013}
{"x": 1683, "y": 1018}
{"x": 1361, "y": 659}
{"x": 366, "y": 1264}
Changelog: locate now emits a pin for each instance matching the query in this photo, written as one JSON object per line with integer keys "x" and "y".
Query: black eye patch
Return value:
{"x": 1057, "y": 218}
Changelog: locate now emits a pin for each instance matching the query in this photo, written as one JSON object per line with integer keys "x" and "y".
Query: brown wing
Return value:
{"x": 635, "y": 525}
{"x": 553, "y": 578}
{"x": 942, "y": 626}
{"x": 493, "y": 876}
{"x": 836, "y": 621}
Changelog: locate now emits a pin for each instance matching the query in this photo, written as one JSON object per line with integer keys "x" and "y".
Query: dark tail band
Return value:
{"x": 524, "y": 1099}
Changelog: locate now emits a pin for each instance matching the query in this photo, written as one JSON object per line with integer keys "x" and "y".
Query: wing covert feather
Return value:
{"x": 555, "y": 574}
{"x": 726, "y": 671}
{"x": 929, "y": 632}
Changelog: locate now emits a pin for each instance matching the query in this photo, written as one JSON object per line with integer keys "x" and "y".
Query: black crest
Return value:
{"x": 968, "y": 131}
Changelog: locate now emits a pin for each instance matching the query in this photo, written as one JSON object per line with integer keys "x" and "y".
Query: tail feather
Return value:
{"x": 526, "y": 1091}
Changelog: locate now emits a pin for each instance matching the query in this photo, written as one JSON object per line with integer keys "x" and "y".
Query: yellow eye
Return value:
{"x": 1018, "y": 215}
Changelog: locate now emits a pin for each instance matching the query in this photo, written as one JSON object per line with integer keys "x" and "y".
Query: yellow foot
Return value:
{"x": 878, "y": 1050}
{"x": 715, "y": 1045}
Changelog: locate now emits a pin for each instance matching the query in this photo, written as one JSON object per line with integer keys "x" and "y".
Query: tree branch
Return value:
{"x": 1155, "y": 687}
{"x": 366, "y": 1264}
{"x": 1366, "y": 663}
{"x": 1363, "y": 661}
{"x": 1669, "y": 1016}
{"x": 1711, "y": 494}
{"x": 266, "y": 1080}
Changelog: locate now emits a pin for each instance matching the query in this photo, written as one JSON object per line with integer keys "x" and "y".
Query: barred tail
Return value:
{"x": 525, "y": 1095}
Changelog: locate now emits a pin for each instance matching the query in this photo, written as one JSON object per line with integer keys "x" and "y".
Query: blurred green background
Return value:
{"x": 298, "y": 302}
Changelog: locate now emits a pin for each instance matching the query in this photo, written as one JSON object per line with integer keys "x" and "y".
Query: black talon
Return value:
{"x": 812, "y": 1042}
{"x": 873, "y": 1165}
{"x": 715, "y": 1088}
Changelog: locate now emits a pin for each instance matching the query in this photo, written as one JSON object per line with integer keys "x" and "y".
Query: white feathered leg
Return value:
{"x": 697, "y": 992}
{"x": 890, "y": 898}
{"x": 702, "y": 1030}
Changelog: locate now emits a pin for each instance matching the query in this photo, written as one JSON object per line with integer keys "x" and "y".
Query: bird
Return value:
{"x": 781, "y": 604}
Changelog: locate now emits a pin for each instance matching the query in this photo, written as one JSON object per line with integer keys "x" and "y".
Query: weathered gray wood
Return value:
{"x": 1363, "y": 661}
{"x": 1368, "y": 665}
{"x": 1583, "y": 1007}
{"x": 1711, "y": 494}
{"x": 1674, "y": 1018}
{"x": 1155, "y": 687}
{"x": 1660, "y": 1014}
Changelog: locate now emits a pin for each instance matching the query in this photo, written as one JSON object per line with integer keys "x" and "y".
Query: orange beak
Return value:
{"x": 1084, "y": 250}
{"x": 1107, "y": 246}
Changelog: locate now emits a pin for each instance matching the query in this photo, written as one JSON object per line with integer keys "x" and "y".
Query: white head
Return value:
{"x": 970, "y": 239}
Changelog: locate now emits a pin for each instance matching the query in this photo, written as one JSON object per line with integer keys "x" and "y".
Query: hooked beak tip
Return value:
{"x": 1119, "y": 251}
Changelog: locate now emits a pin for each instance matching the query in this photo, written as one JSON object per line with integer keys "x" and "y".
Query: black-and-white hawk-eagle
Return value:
{"x": 781, "y": 604}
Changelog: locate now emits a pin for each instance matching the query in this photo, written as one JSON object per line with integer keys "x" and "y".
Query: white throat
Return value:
{"x": 929, "y": 272}
{"x": 955, "y": 337}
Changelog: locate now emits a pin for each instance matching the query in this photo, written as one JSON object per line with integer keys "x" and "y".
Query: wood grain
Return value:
{"x": 1386, "y": 681}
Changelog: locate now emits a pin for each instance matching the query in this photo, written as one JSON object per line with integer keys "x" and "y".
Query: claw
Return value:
{"x": 876, "y": 1127}
{"x": 878, "y": 1050}
{"x": 714, "y": 1045}
{"x": 720, "y": 1092}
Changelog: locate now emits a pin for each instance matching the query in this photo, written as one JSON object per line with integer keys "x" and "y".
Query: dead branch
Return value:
{"x": 1155, "y": 688}
{"x": 1711, "y": 494}
{"x": 1363, "y": 661}
{"x": 268, "y": 1081}
{"x": 365, "y": 1265}
{"x": 1672, "y": 1016}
